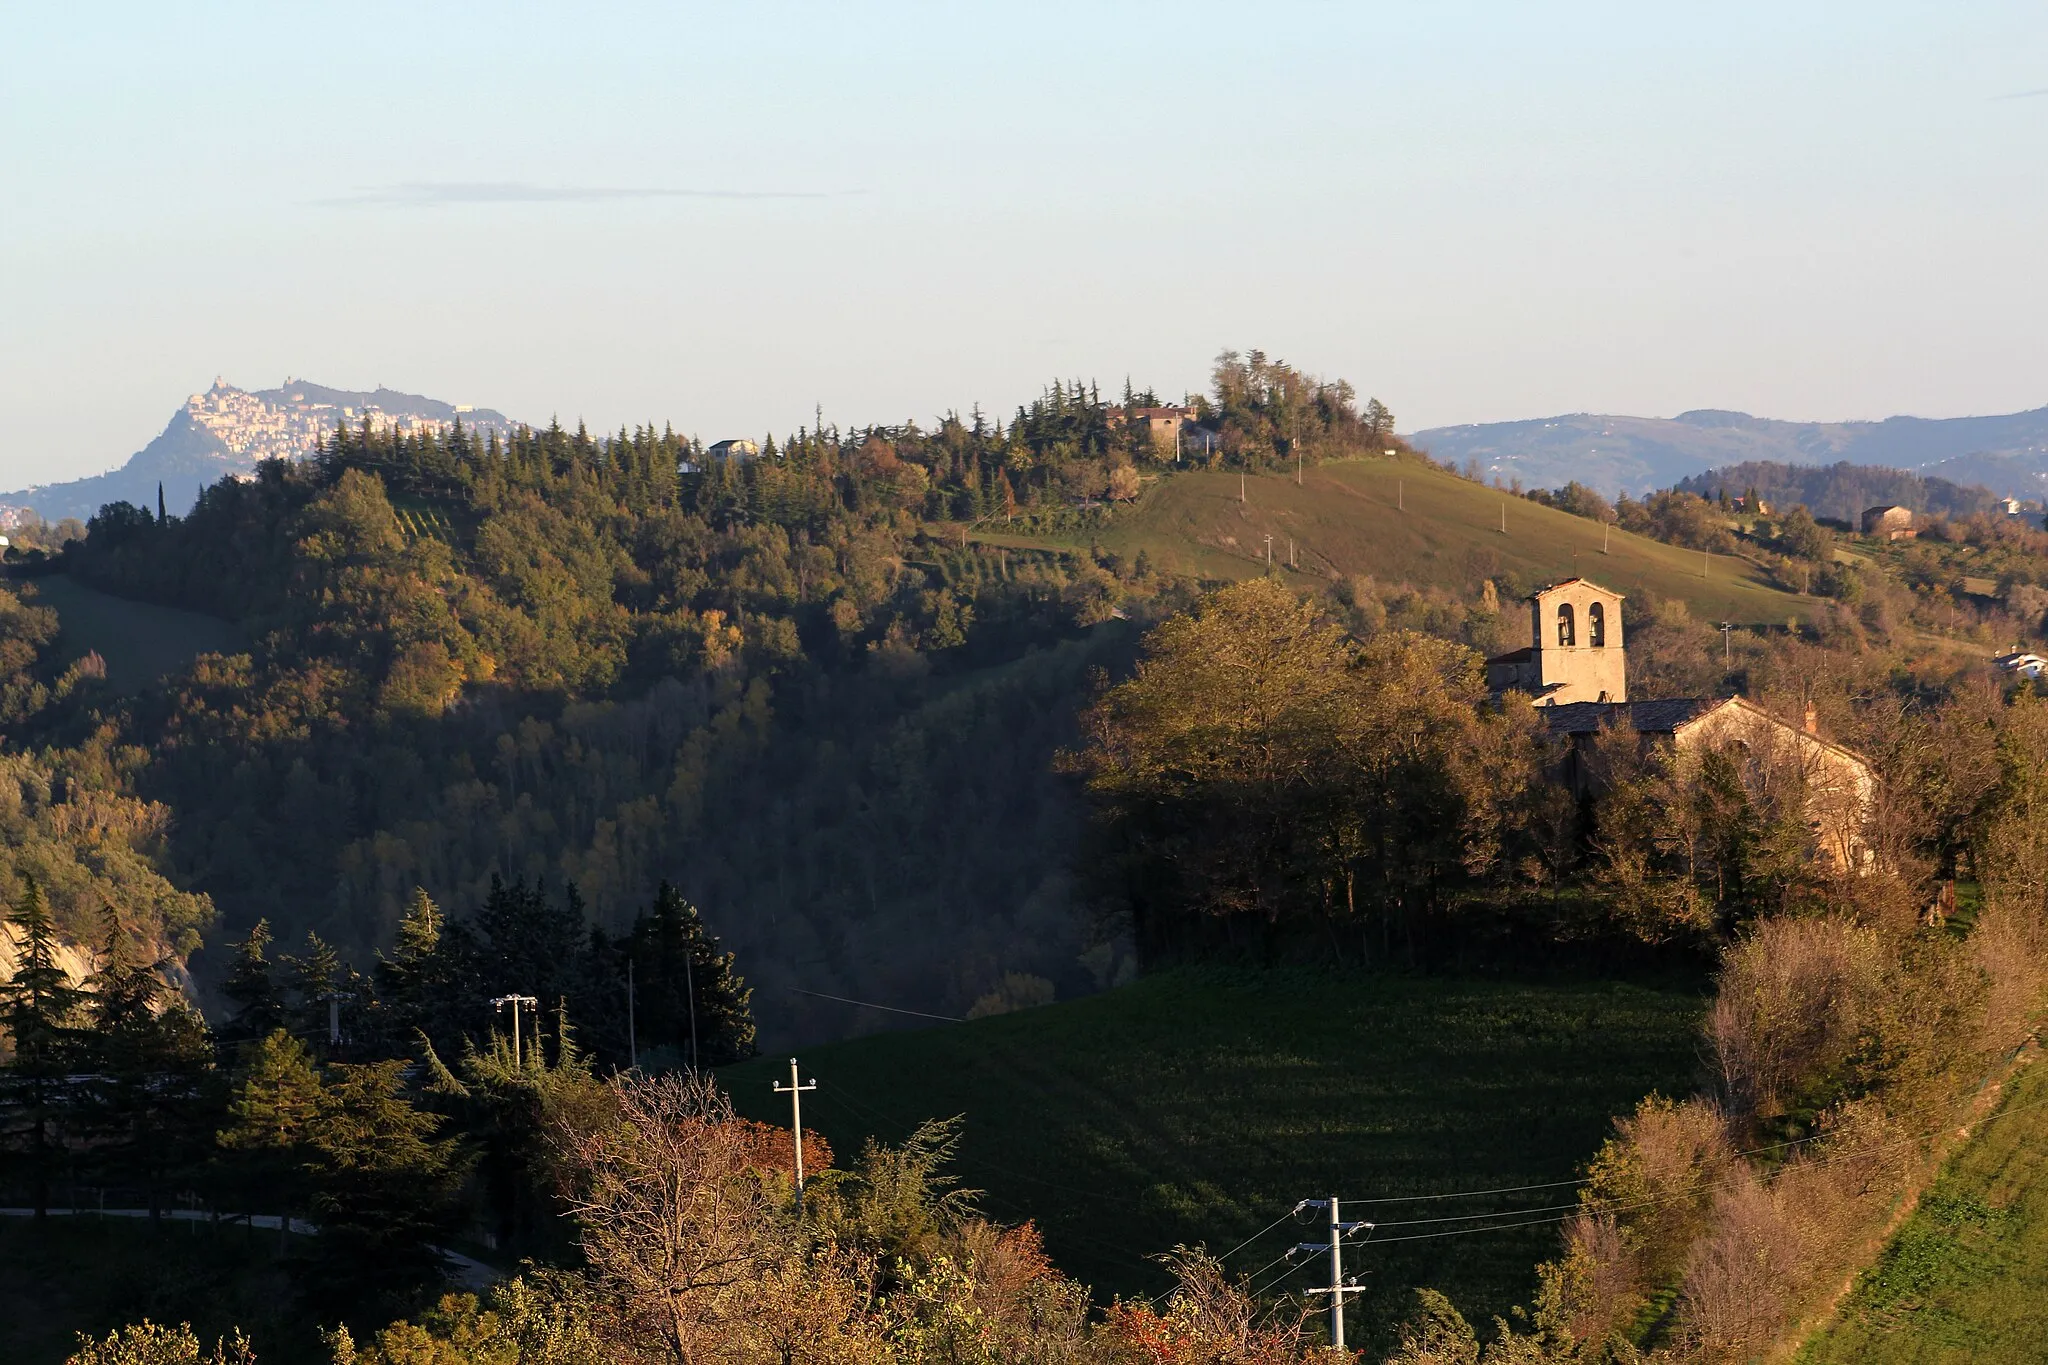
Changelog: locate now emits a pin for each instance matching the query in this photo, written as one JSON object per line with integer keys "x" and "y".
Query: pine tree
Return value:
{"x": 278, "y": 1098}
{"x": 533, "y": 943}
{"x": 383, "y": 1185}
{"x": 315, "y": 978}
{"x": 278, "y": 1102}
{"x": 252, "y": 990}
{"x": 691, "y": 998}
{"x": 38, "y": 1007}
{"x": 150, "y": 1054}
{"x": 416, "y": 981}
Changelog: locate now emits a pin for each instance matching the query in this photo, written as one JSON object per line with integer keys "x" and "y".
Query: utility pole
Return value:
{"x": 632, "y": 1034}
{"x": 334, "y": 999}
{"x": 1503, "y": 517}
{"x": 1400, "y": 495}
{"x": 795, "y": 1090}
{"x": 690, "y": 989}
{"x": 1290, "y": 552}
{"x": 1727, "y": 658}
{"x": 1269, "y": 554}
{"x": 515, "y": 1001}
{"x": 1705, "y": 555}
{"x": 1339, "y": 1286}
{"x": 1240, "y": 487}
{"x": 1297, "y": 466}
{"x": 1606, "y": 529}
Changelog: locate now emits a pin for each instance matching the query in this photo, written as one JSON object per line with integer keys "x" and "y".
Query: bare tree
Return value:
{"x": 677, "y": 1231}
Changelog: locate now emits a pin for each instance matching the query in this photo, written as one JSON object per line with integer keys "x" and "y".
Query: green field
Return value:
{"x": 1197, "y": 1105}
{"x": 1403, "y": 522}
{"x": 1966, "y": 1278}
{"x": 140, "y": 642}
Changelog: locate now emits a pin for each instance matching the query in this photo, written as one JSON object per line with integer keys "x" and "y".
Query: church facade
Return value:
{"x": 1576, "y": 674}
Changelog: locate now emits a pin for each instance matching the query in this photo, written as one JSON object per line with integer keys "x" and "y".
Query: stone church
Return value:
{"x": 1575, "y": 671}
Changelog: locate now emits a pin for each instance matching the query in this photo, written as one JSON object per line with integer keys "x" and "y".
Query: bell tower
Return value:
{"x": 1576, "y": 650}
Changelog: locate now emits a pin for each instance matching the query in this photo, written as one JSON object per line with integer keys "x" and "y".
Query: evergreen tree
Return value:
{"x": 533, "y": 944}
{"x": 279, "y": 1100}
{"x": 421, "y": 987}
{"x": 38, "y": 1007}
{"x": 383, "y": 1187}
{"x": 251, "y": 988}
{"x": 150, "y": 1056}
{"x": 690, "y": 998}
{"x": 317, "y": 983}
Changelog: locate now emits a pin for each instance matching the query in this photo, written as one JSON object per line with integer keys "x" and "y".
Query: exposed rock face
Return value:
{"x": 227, "y": 431}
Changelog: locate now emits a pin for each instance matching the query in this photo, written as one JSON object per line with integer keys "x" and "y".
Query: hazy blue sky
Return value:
{"x": 723, "y": 215}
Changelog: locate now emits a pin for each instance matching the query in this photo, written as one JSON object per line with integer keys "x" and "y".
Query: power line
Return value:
{"x": 1567, "y": 1184}
{"x": 871, "y": 1005}
{"x": 1467, "y": 1194}
{"x": 1241, "y": 1246}
{"x": 1467, "y": 1217}
{"x": 1260, "y": 1233}
{"x": 1702, "y": 1186}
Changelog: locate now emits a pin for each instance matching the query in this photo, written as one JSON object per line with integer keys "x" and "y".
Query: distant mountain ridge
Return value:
{"x": 226, "y": 431}
{"x": 1636, "y": 455}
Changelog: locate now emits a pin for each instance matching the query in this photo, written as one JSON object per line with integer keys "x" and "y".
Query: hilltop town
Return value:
{"x": 228, "y": 431}
{"x": 290, "y": 422}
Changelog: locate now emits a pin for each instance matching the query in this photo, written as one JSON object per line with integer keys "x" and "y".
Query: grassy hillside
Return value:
{"x": 1404, "y": 522}
{"x": 1197, "y": 1106}
{"x": 1966, "y": 1279}
{"x": 139, "y": 641}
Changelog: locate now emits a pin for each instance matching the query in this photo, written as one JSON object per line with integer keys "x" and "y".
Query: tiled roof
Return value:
{"x": 1514, "y": 656}
{"x": 1661, "y": 716}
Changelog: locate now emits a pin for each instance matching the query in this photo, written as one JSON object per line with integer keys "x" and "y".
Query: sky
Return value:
{"x": 731, "y": 216}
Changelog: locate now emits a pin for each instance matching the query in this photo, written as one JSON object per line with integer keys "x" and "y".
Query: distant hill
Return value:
{"x": 227, "y": 430}
{"x": 1638, "y": 454}
{"x": 1841, "y": 490}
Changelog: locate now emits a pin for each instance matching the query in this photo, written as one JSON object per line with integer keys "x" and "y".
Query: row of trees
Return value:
{"x": 391, "y": 1108}
{"x": 661, "y": 992}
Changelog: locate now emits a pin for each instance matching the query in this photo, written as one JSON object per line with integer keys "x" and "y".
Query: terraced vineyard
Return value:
{"x": 421, "y": 521}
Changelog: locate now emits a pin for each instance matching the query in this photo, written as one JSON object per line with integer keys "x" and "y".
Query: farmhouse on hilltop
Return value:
{"x": 1576, "y": 672}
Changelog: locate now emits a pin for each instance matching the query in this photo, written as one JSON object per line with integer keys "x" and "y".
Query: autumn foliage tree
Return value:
{"x": 1263, "y": 765}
